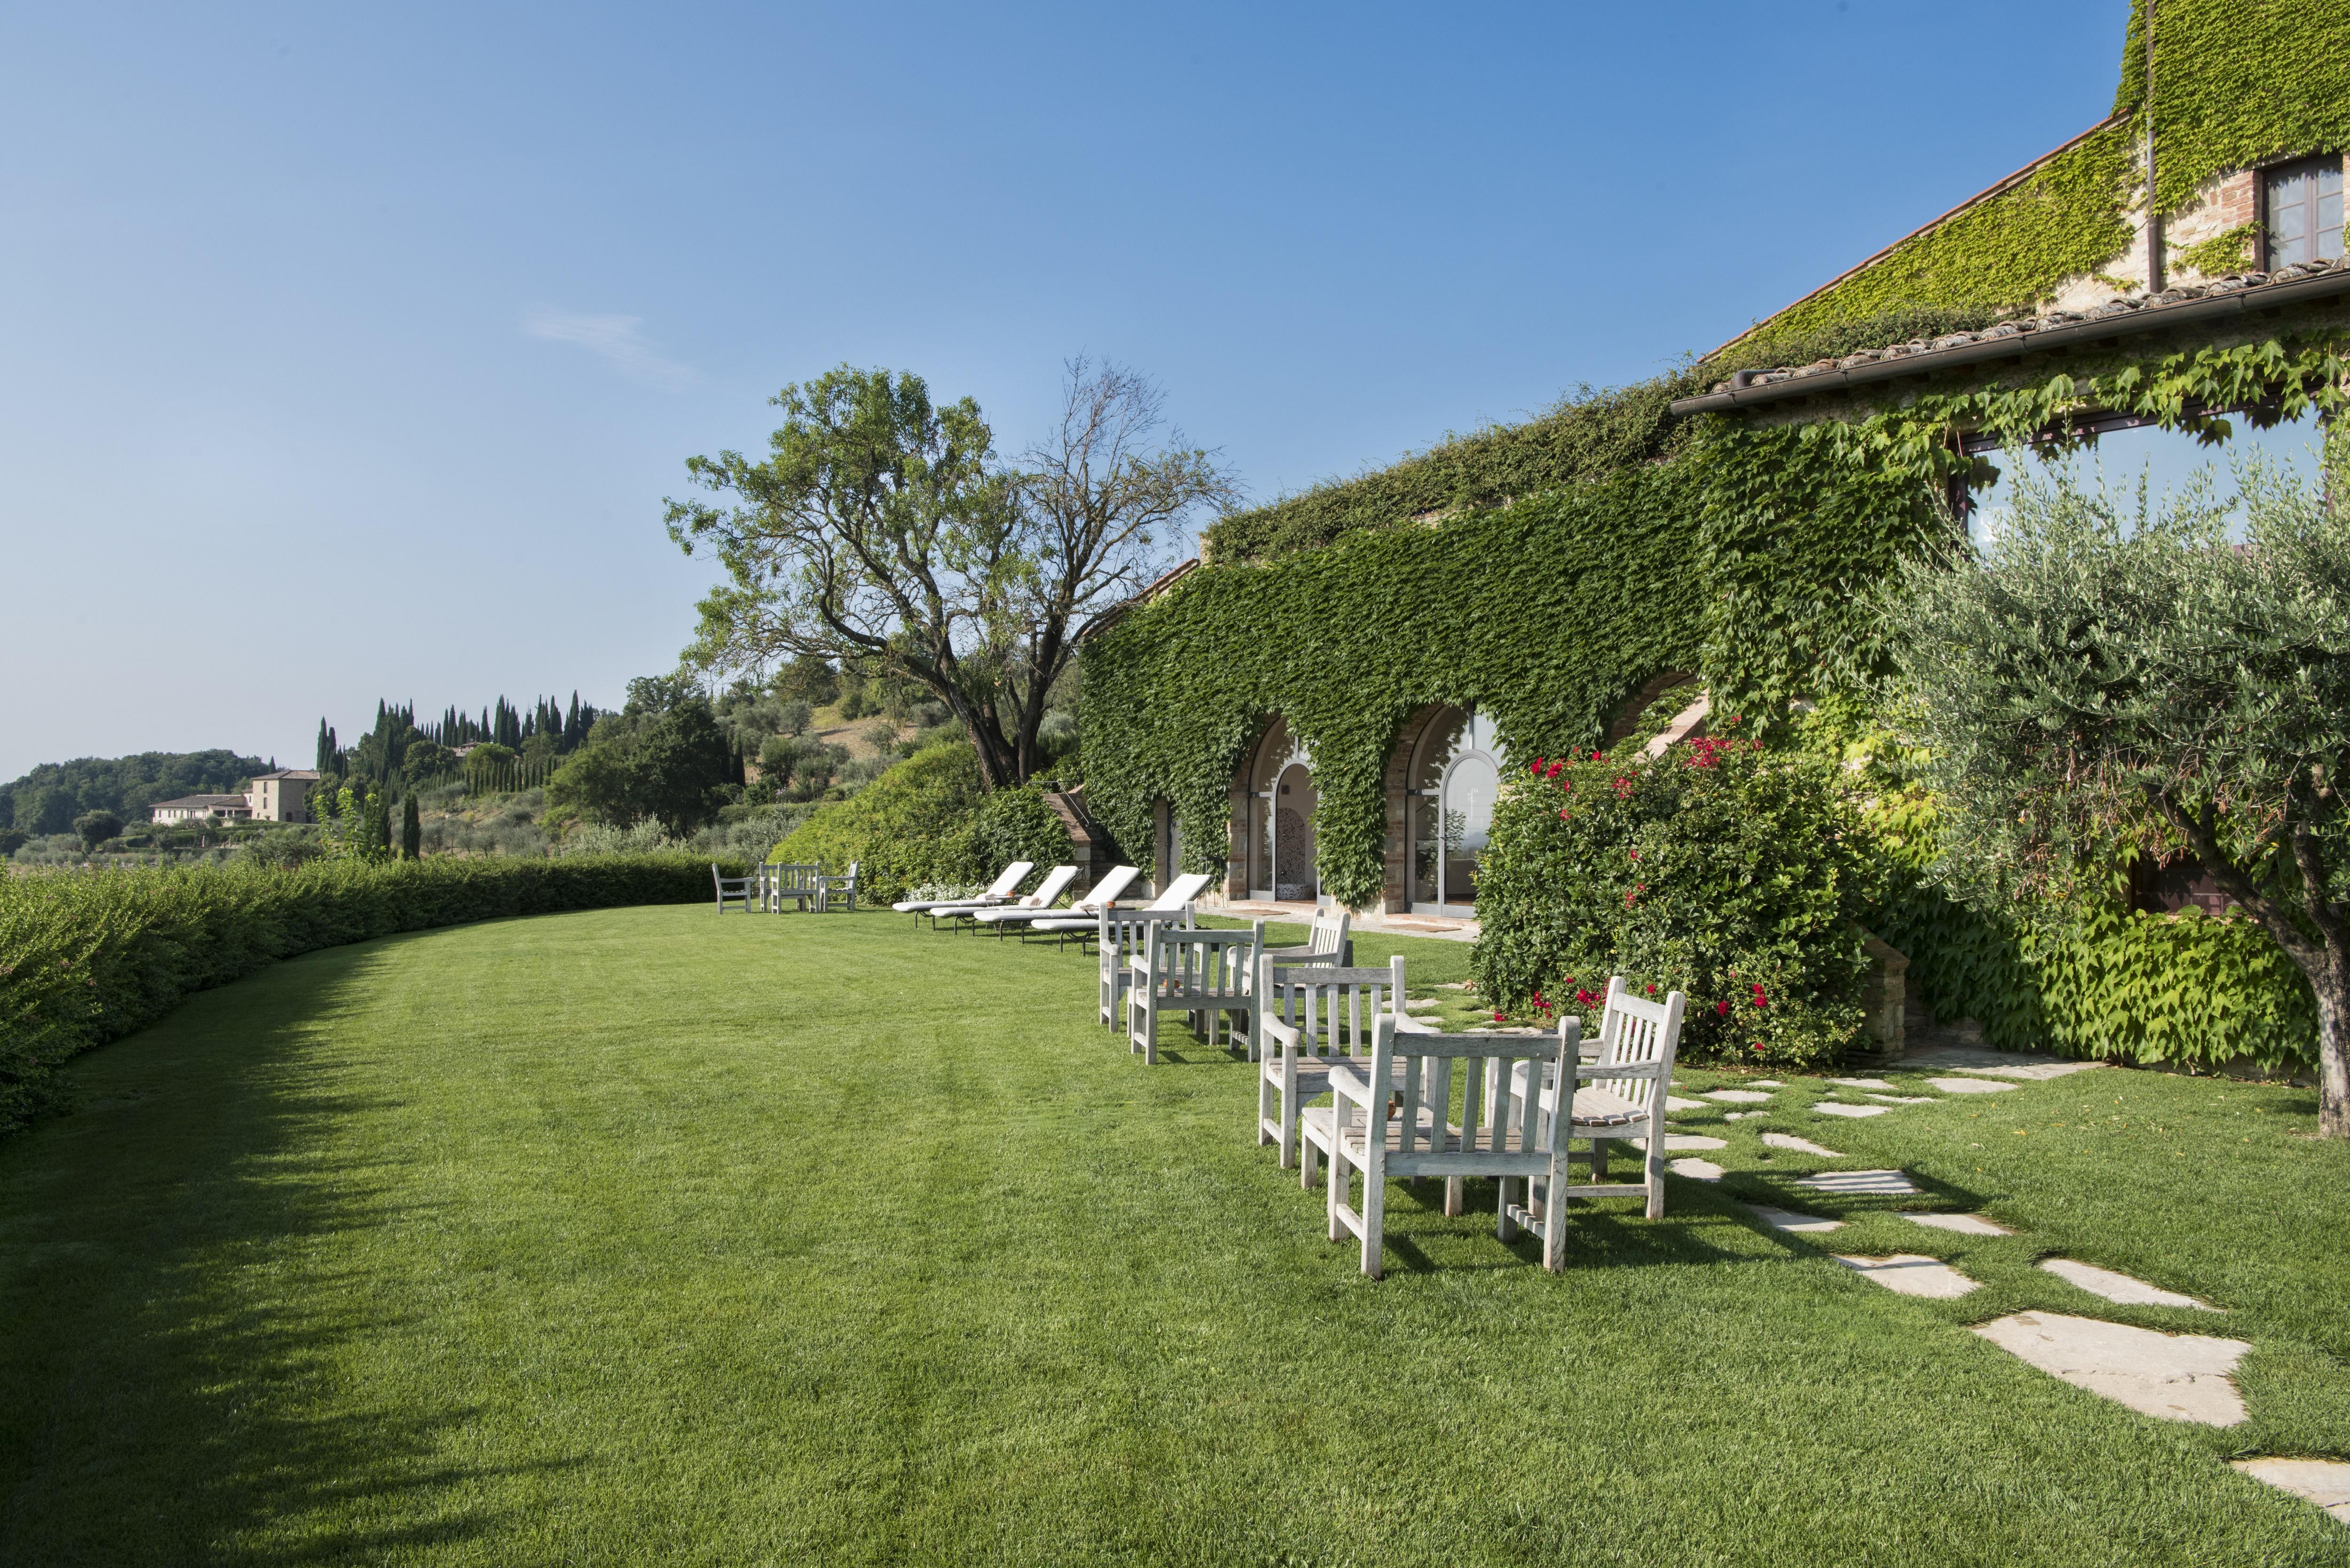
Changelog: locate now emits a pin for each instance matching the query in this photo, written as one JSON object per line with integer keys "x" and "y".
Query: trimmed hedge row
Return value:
{"x": 89, "y": 957}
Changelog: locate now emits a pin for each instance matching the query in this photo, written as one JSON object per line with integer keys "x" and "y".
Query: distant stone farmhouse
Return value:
{"x": 281, "y": 796}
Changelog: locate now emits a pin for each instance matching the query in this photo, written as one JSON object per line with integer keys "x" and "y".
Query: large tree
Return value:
{"x": 2105, "y": 675}
{"x": 882, "y": 530}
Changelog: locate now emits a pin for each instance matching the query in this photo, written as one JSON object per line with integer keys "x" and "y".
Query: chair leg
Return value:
{"x": 1504, "y": 1227}
{"x": 1340, "y": 1186}
{"x": 1553, "y": 1230}
{"x": 1375, "y": 1213}
{"x": 1599, "y": 1160}
{"x": 1456, "y": 1196}
{"x": 1656, "y": 1181}
{"x": 1309, "y": 1165}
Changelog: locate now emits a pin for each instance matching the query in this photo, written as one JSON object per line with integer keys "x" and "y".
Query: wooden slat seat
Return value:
{"x": 1619, "y": 1098}
{"x": 1210, "y": 976}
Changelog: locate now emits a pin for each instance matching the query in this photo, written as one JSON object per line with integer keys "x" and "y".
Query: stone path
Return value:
{"x": 2023, "y": 1065}
{"x": 2174, "y": 1377}
{"x": 1737, "y": 1096}
{"x": 1964, "y": 1224}
{"x": 1838, "y": 1108}
{"x": 1912, "y": 1276}
{"x": 1970, "y": 1086}
{"x": 1862, "y": 1083}
{"x": 1681, "y": 1140}
{"x": 1909, "y": 1099}
{"x": 2119, "y": 1288}
{"x": 1787, "y": 1220}
{"x": 1675, "y": 1103}
{"x": 1861, "y": 1183}
{"x": 2325, "y": 1482}
{"x": 1696, "y": 1170}
{"x": 1799, "y": 1145}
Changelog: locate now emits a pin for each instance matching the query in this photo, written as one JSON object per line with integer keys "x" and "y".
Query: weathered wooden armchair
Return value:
{"x": 1325, "y": 1018}
{"x": 1619, "y": 1098}
{"x": 792, "y": 883}
{"x": 1326, "y": 941}
{"x": 1119, "y": 933}
{"x": 735, "y": 887}
{"x": 1387, "y": 1119}
{"x": 827, "y": 888}
{"x": 1205, "y": 975}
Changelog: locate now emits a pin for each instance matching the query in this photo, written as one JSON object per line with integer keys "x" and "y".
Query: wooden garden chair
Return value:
{"x": 792, "y": 883}
{"x": 1205, "y": 975}
{"x": 1048, "y": 893}
{"x": 735, "y": 887}
{"x": 1617, "y": 1097}
{"x": 1386, "y": 1118}
{"x": 1325, "y": 944}
{"x": 1325, "y": 1013}
{"x": 998, "y": 891}
{"x": 826, "y": 887}
{"x": 1082, "y": 910}
{"x": 1120, "y": 934}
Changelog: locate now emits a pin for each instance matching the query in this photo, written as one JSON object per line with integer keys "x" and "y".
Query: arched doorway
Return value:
{"x": 1280, "y": 806}
{"x": 1452, "y": 781}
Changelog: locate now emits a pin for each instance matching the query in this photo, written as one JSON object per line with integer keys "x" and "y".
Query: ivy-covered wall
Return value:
{"x": 1546, "y": 572}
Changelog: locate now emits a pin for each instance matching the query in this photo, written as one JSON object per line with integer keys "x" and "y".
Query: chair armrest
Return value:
{"x": 1587, "y": 1070}
{"x": 1283, "y": 1035}
{"x": 1351, "y": 1081}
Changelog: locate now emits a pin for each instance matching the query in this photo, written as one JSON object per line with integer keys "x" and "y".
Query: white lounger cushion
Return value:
{"x": 997, "y": 891}
{"x": 1105, "y": 892}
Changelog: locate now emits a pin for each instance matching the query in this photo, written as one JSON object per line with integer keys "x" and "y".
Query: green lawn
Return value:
{"x": 652, "y": 1235}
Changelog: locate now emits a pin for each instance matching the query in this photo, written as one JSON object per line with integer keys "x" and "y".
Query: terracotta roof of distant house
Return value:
{"x": 202, "y": 800}
{"x": 311, "y": 774}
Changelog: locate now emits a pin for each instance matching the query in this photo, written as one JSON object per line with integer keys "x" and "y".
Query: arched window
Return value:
{"x": 1282, "y": 799}
{"x": 1456, "y": 774}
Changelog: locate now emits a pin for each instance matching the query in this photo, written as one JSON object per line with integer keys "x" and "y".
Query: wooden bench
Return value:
{"x": 1205, "y": 975}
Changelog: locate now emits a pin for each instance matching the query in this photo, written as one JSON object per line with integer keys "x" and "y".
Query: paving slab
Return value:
{"x": 2118, "y": 1287}
{"x": 1674, "y": 1141}
{"x": 1737, "y": 1096}
{"x": 1912, "y": 1276}
{"x": 1787, "y": 1220}
{"x": 1856, "y": 1183}
{"x": 1675, "y": 1103}
{"x": 1742, "y": 1116}
{"x": 2325, "y": 1482}
{"x": 2172, "y": 1376}
{"x": 1769, "y": 1083}
{"x": 1838, "y": 1108}
{"x": 2038, "y": 1073}
{"x": 1964, "y": 1224}
{"x": 1904, "y": 1099}
{"x": 1971, "y": 1085}
{"x": 1696, "y": 1170}
{"x": 1862, "y": 1083}
{"x": 2025, "y": 1064}
{"x": 1800, "y": 1145}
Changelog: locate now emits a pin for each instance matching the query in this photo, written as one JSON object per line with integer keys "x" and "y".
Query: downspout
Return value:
{"x": 2154, "y": 258}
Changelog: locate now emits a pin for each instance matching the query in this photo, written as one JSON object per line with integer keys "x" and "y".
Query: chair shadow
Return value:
{"x": 160, "y": 1400}
{"x": 1617, "y": 1237}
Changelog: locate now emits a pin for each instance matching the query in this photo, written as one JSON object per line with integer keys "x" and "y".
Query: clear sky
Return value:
{"x": 349, "y": 351}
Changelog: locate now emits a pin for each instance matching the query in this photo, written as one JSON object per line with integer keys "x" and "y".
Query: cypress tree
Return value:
{"x": 412, "y": 831}
{"x": 375, "y": 837}
{"x": 325, "y": 763}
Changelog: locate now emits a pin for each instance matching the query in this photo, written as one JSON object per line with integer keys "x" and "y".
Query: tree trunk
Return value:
{"x": 2333, "y": 991}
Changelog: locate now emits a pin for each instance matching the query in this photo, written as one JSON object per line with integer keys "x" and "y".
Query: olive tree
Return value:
{"x": 881, "y": 530}
{"x": 2106, "y": 672}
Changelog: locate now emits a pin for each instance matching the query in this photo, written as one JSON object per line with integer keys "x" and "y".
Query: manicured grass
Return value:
{"x": 653, "y": 1235}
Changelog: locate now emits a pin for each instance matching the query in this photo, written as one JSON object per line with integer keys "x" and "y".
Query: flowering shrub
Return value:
{"x": 1732, "y": 874}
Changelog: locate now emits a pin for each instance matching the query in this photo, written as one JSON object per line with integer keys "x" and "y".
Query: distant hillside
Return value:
{"x": 47, "y": 799}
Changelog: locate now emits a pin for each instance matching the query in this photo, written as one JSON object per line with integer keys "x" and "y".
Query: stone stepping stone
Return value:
{"x": 1800, "y": 1145}
{"x": 2119, "y": 1288}
{"x": 1786, "y": 1220}
{"x": 1742, "y": 1116}
{"x": 1912, "y": 1276}
{"x": 1968, "y": 1085}
{"x": 1737, "y": 1096}
{"x": 1964, "y": 1224}
{"x": 1696, "y": 1170}
{"x": 1675, "y": 1103}
{"x": 1838, "y": 1108}
{"x": 1862, "y": 1083}
{"x": 1860, "y": 1183}
{"x": 1769, "y": 1083}
{"x": 1904, "y": 1099}
{"x": 1419, "y": 1003}
{"x": 2037, "y": 1073}
{"x": 2325, "y": 1482}
{"x": 2172, "y": 1376}
{"x": 1681, "y": 1140}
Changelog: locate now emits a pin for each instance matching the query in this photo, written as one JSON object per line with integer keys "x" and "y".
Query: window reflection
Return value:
{"x": 1455, "y": 778}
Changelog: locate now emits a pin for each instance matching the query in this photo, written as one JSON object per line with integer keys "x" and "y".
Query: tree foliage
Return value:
{"x": 2109, "y": 678}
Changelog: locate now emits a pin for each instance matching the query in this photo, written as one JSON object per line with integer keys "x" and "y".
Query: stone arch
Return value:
{"x": 1442, "y": 777}
{"x": 1626, "y": 717}
{"x": 1273, "y": 807}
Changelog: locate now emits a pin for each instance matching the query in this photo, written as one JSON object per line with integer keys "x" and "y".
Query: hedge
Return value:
{"x": 917, "y": 823}
{"x": 88, "y": 956}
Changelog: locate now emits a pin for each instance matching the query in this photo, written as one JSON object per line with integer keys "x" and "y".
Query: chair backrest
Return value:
{"x": 1014, "y": 875}
{"x": 1196, "y": 962}
{"x": 1334, "y": 1009}
{"x": 852, "y": 878}
{"x": 1058, "y": 878}
{"x": 1107, "y": 890}
{"x": 1121, "y": 932}
{"x": 1635, "y": 1032}
{"x": 1491, "y": 1118}
{"x": 794, "y": 877}
{"x": 1180, "y": 891}
{"x": 1328, "y": 934}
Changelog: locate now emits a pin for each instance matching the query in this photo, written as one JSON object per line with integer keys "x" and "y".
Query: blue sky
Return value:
{"x": 350, "y": 352}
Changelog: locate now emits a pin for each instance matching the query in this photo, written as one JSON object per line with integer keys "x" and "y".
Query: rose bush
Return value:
{"x": 1734, "y": 874}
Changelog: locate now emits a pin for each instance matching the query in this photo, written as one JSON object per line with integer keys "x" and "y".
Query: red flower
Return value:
{"x": 1497, "y": 1018}
{"x": 1564, "y": 814}
{"x": 1636, "y": 855}
{"x": 1652, "y": 988}
{"x": 1557, "y": 769}
{"x": 1538, "y": 766}
{"x": 1722, "y": 1010}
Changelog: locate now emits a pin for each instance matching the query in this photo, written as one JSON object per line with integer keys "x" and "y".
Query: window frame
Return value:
{"x": 2268, "y": 175}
